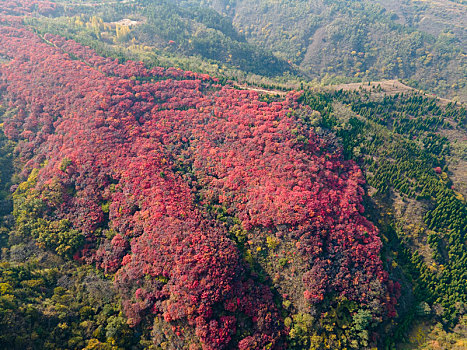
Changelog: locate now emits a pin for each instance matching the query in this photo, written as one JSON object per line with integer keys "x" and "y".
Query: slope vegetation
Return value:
{"x": 421, "y": 41}
{"x": 168, "y": 180}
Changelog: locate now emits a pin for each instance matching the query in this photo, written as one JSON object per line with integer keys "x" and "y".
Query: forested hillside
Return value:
{"x": 422, "y": 41}
{"x": 186, "y": 29}
{"x": 150, "y": 198}
{"x": 333, "y": 41}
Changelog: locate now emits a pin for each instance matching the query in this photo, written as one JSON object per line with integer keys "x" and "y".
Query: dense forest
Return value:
{"x": 173, "y": 178}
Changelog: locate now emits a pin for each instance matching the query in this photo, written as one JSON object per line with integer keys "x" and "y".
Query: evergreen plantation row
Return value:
{"x": 410, "y": 161}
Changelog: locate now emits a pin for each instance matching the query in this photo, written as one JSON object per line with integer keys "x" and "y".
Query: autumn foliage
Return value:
{"x": 142, "y": 152}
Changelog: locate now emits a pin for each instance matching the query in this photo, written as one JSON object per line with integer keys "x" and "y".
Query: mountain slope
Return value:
{"x": 421, "y": 41}
{"x": 136, "y": 162}
{"x": 216, "y": 217}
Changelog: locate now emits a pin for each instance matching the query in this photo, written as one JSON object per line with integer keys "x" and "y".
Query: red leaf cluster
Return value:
{"x": 124, "y": 141}
{"x": 24, "y": 7}
{"x": 181, "y": 264}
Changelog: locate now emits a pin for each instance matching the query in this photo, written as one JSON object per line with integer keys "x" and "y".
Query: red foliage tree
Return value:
{"x": 135, "y": 154}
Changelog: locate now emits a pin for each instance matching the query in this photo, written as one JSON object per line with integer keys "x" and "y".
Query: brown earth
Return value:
{"x": 388, "y": 87}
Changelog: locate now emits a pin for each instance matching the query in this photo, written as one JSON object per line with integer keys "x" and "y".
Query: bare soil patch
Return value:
{"x": 388, "y": 87}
